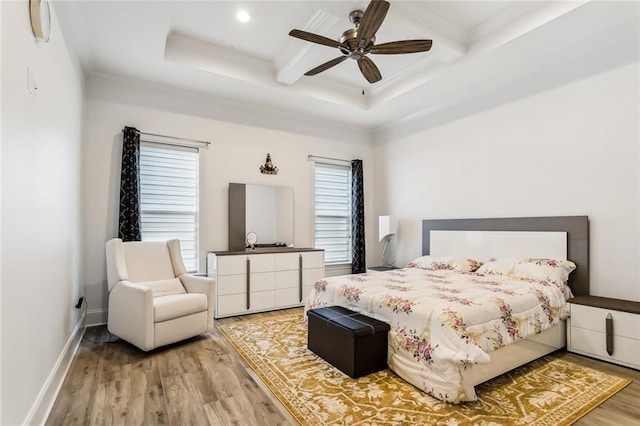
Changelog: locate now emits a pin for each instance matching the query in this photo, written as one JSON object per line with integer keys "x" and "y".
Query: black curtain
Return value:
{"x": 129, "y": 217}
{"x": 358, "y": 263}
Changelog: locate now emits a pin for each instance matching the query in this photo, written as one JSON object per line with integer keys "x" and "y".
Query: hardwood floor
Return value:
{"x": 204, "y": 381}
{"x": 199, "y": 381}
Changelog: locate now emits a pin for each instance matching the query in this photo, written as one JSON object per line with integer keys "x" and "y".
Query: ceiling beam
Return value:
{"x": 293, "y": 60}
{"x": 200, "y": 54}
{"x": 196, "y": 53}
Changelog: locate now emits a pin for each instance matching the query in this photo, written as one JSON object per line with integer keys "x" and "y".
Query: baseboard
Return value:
{"x": 47, "y": 396}
{"x": 96, "y": 317}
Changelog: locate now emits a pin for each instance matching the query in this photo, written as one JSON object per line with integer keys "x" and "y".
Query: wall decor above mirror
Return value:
{"x": 268, "y": 168}
{"x": 263, "y": 210}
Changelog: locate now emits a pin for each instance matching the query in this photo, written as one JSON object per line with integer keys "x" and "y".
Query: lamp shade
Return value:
{"x": 387, "y": 225}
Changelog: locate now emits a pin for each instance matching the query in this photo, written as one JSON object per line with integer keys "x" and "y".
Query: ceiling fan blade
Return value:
{"x": 369, "y": 70}
{"x": 371, "y": 20}
{"x": 314, "y": 38}
{"x": 404, "y": 46}
{"x": 326, "y": 65}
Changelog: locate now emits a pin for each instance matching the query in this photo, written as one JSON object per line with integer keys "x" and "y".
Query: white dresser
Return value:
{"x": 607, "y": 329}
{"x": 263, "y": 280}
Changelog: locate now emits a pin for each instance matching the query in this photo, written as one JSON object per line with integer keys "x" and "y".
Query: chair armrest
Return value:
{"x": 204, "y": 285}
{"x": 131, "y": 314}
{"x": 193, "y": 284}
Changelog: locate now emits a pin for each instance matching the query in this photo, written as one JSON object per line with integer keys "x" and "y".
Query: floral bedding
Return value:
{"x": 444, "y": 321}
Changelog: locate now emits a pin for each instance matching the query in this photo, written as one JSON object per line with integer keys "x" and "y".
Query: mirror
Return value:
{"x": 263, "y": 210}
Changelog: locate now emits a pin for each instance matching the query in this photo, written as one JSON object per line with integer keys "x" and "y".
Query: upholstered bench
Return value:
{"x": 351, "y": 342}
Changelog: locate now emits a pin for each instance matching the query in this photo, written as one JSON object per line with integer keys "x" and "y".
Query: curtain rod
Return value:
{"x": 316, "y": 157}
{"x": 206, "y": 143}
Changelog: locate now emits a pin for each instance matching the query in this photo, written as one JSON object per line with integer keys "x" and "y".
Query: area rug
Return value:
{"x": 548, "y": 391}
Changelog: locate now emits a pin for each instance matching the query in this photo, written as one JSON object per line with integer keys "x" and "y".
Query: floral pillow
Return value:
{"x": 551, "y": 270}
{"x": 434, "y": 263}
{"x": 495, "y": 266}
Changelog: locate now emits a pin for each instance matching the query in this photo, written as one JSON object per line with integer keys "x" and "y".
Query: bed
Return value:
{"x": 456, "y": 323}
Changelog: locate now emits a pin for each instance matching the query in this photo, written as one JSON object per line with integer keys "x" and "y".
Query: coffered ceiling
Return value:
{"x": 482, "y": 50}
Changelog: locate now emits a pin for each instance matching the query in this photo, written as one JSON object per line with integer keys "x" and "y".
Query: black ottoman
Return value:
{"x": 351, "y": 342}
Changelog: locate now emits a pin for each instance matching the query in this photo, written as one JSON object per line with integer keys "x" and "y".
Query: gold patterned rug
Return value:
{"x": 548, "y": 391}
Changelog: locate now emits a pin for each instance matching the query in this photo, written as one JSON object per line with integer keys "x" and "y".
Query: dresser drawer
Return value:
{"x": 231, "y": 284}
{"x": 262, "y": 281}
{"x": 263, "y": 300}
{"x": 288, "y": 262}
{"x": 262, "y": 262}
{"x": 232, "y": 304}
{"x": 236, "y": 304}
{"x": 236, "y": 284}
{"x": 230, "y": 265}
{"x": 313, "y": 259}
{"x": 288, "y": 297}
{"x": 291, "y": 261}
{"x": 288, "y": 279}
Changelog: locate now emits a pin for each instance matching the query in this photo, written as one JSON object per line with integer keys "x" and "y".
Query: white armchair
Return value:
{"x": 152, "y": 300}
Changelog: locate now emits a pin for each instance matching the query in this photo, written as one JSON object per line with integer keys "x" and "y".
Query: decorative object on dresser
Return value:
{"x": 387, "y": 227}
{"x": 252, "y": 239}
{"x": 263, "y": 279}
{"x": 351, "y": 342}
{"x": 268, "y": 168}
{"x": 604, "y": 328}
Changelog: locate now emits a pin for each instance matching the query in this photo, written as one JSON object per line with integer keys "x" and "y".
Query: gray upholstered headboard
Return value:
{"x": 576, "y": 227}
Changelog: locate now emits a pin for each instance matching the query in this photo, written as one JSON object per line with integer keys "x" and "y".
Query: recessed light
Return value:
{"x": 243, "y": 16}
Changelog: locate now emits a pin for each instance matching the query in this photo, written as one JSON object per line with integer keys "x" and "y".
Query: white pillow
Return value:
{"x": 450, "y": 263}
{"x": 495, "y": 266}
{"x": 543, "y": 269}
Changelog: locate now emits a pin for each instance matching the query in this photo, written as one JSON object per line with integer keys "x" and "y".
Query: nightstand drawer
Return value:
{"x": 592, "y": 343}
{"x": 591, "y": 318}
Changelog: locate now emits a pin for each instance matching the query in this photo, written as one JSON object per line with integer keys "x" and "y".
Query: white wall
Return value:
{"x": 573, "y": 150}
{"x": 41, "y": 214}
{"x": 235, "y": 155}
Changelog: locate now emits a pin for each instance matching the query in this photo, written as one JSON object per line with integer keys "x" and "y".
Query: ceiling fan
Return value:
{"x": 356, "y": 43}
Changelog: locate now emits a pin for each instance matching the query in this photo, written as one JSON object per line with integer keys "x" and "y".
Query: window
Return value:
{"x": 332, "y": 204}
{"x": 169, "y": 198}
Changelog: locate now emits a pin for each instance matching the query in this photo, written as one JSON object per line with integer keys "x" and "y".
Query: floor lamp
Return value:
{"x": 387, "y": 227}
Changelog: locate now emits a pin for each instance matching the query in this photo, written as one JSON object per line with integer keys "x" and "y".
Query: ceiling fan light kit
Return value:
{"x": 356, "y": 43}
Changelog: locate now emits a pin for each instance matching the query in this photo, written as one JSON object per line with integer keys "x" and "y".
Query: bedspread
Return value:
{"x": 443, "y": 322}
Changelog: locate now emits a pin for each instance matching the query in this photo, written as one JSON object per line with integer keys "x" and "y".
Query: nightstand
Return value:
{"x": 606, "y": 329}
{"x": 381, "y": 268}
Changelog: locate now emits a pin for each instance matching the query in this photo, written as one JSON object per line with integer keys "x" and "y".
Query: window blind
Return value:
{"x": 332, "y": 204}
{"x": 169, "y": 198}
